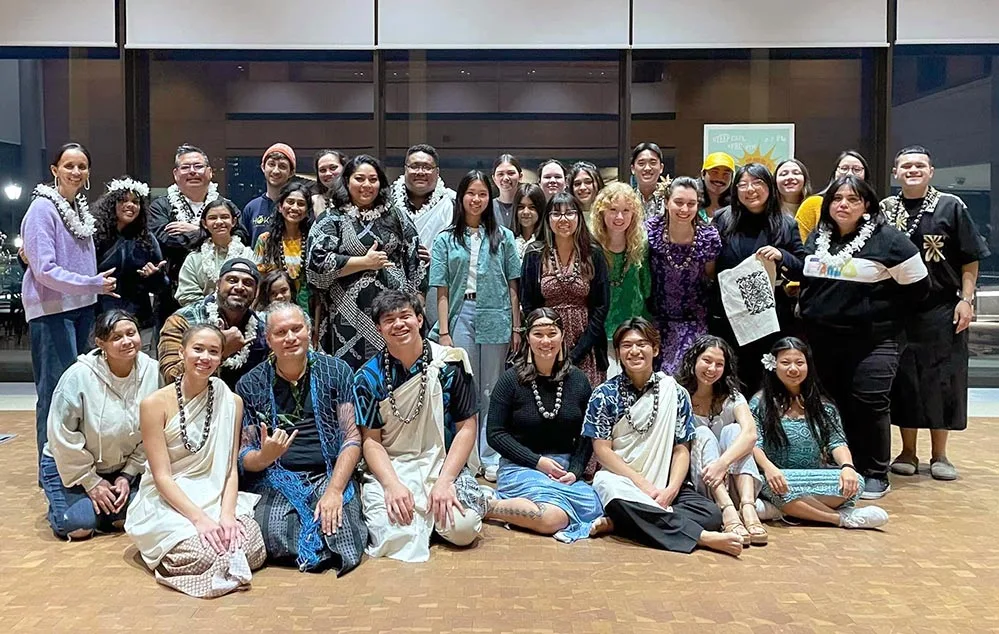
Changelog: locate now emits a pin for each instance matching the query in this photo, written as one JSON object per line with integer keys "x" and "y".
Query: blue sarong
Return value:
{"x": 578, "y": 500}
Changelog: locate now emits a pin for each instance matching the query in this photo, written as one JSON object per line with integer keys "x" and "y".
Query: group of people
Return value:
{"x": 567, "y": 340}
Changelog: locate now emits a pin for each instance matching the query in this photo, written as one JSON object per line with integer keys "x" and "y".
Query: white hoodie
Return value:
{"x": 93, "y": 425}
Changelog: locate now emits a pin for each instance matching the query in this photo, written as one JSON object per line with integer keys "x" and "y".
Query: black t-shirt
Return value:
{"x": 295, "y": 412}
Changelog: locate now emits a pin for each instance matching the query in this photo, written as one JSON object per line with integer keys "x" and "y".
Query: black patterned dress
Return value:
{"x": 346, "y": 330}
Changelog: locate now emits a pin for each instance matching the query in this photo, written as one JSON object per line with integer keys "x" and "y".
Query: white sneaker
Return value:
{"x": 865, "y": 517}
{"x": 767, "y": 511}
{"x": 490, "y": 473}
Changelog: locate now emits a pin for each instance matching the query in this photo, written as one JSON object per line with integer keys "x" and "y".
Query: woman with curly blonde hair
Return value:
{"x": 682, "y": 252}
{"x": 618, "y": 226}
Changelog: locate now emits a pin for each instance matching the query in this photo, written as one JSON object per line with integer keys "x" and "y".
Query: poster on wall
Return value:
{"x": 766, "y": 143}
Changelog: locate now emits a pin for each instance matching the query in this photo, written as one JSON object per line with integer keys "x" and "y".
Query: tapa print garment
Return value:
{"x": 747, "y": 293}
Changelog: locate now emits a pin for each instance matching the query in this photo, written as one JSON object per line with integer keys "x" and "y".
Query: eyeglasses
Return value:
{"x": 756, "y": 185}
{"x": 856, "y": 169}
{"x": 421, "y": 168}
{"x": 197, "y": 168}
{"x": 565, "y": 214}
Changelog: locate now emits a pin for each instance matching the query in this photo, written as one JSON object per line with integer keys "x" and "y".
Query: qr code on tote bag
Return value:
{"x": 757, "y": 292}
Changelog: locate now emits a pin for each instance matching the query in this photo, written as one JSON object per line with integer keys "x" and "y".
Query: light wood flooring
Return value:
{"x": 935, "y": 568}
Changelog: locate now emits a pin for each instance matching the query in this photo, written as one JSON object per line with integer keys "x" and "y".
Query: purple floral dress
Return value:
{"x": 680, "y": 288}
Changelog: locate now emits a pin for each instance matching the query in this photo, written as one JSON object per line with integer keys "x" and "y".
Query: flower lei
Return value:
{"x": 366, "y": 215}
{"x": 822, "y": 243}
{"x": 181, "y": 208}
{"x": 895, "y": 211}
{"x": 249, "y": 335}
{"x": 138, "y": 188}
{"x": 209, "y": 261}
{"x": 79, "y": 221}
{"x": 400, "y": 196}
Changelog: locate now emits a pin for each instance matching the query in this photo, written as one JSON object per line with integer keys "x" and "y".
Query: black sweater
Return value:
{"x": 594, "y": 338}
{"x": 521, "y": 435}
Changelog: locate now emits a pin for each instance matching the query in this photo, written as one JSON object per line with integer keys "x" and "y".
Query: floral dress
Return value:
{"x": 567, "y": 297}
{"x": 680, "y": 288}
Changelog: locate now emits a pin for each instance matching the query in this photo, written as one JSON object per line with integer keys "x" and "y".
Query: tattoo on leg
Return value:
{"x": 499, "y": 508}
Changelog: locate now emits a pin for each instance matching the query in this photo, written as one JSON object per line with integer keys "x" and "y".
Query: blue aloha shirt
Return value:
{"x": 606, "y": 408}
{"x": 370, "y": 388}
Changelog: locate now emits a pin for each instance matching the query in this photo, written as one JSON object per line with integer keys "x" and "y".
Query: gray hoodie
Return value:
{"x": 93, "y": 422}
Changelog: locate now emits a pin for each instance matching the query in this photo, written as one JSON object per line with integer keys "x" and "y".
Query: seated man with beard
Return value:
{"x": 229, "y": 310}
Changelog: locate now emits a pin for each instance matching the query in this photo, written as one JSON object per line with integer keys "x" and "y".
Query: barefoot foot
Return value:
{"x": 601, "y": 526}
{"x": 728, "y": 543}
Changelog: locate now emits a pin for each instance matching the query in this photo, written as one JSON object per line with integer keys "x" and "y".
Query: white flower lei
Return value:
{"x": 249, "y": 335}
{"x": 181, "y": 209}
{"x": 400, "y": 196}
{"x": 366, "y": 215}
{"x": 138, "y": 188}
{"x": 209, "y": 262}
{"x": 79, "y": 221}
{"x": 843, "y": 255}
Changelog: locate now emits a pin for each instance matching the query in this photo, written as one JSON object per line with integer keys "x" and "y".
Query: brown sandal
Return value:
{"x": 737, "y": 527}
{"x": 758, "y": 535}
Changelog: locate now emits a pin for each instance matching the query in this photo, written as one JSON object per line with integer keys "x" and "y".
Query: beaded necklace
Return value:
{"x": 425, "y": 358}
{"x": 668, "y": 251}
{"x": 183, "y": 417}
{"x": 558, "y": 400}
{"x": 631, "y": 398}
{"x": 559, "y": 272}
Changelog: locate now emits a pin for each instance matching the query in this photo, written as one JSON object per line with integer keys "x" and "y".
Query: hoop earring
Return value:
{"x": 55, "y": 182}
{"x": 86, "y": 186}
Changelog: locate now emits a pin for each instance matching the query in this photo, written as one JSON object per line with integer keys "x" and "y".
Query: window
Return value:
{"x": 47, "y": 99}
{"x": 954, "y": 117}
{"x": 474, "y": 105}
{"x": 235, "y": 105}
{"x": 825, "y": 94}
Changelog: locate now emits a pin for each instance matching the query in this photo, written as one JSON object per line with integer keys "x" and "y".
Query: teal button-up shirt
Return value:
{"x": 449, "y": 262}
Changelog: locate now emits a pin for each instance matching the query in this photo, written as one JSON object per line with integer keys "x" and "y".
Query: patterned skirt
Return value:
{"x": 281, "y": 525}
{"x": 578, "y": 500}
{"x": 806, "y": 483}
{"x": 198, "y": 571}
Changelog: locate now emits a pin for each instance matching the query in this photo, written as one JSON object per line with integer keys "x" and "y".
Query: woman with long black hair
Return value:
{"x": 567, "y": 271}
{"x": 862, "y": 280}
{"x": 356, "y": 251}
{"x": 221, "y": 241}
{"x": 475, "y": 267}
{"x": 755, "y": 225}
{"x": 282, "y": 246}
{"x": 848, "y": 163}
{"x": 801, "y": 449}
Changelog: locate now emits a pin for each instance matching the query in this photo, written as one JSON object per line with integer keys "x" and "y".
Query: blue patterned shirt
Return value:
{"x": 370, "y": 388}
{"x": 607, "y": 407}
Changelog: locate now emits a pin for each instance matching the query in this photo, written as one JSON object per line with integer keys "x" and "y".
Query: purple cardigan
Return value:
{"x": 62, "y": 270}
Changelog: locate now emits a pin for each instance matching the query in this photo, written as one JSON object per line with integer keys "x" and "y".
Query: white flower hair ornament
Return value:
{"x": 769, "y": 362}
{"x": 138, "y": 188}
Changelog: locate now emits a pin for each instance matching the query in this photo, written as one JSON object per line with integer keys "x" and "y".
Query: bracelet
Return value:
{"x": 443, "y": 334}
{"x": 845, "y": 465}
{"x": 519, "y": 330}
{"x": 970, "y": 300}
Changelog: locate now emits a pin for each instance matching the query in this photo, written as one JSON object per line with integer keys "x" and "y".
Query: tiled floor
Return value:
{"x": 934, "y": 569}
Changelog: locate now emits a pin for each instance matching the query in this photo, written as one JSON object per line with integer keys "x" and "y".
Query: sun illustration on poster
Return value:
{"x": 755, "y": 156}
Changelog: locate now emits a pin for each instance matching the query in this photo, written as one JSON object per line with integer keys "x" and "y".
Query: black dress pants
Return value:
{"x": 677, "y": 531}
{"x": 858, "y": 373}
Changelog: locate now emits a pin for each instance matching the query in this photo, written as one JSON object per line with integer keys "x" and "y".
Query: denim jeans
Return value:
{"x": 56, "y": 341}
{"x": 70, "y": 509}
{"x": 488, "y": 362}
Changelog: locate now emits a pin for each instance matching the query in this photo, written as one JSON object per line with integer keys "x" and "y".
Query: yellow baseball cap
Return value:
{"x": 718, "y": 159}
